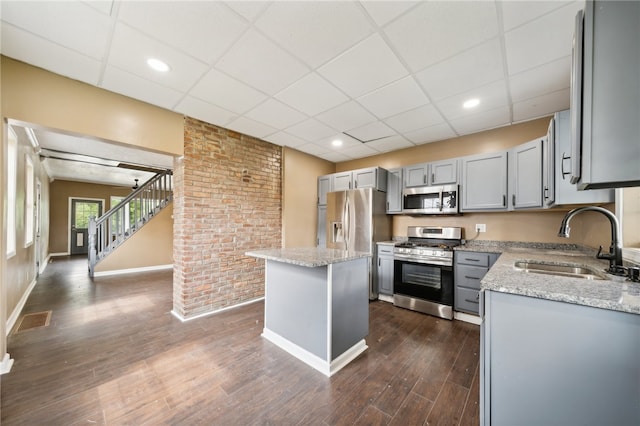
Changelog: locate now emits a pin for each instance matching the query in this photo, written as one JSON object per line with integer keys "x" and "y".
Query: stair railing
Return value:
{"x": 118, "y": 224}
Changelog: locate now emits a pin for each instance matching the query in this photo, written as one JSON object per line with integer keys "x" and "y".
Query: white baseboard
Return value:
{"x": 59, "y": 254}
{"x": 6, "y": 364}
{"x": 44, "y": 264}
{"x": 324, "y": 366}
{"x": 11, "y": 321}
{"x": 206, "y": 314}
{"x": 133, "y": 270}
{"x": 473, "y": 319}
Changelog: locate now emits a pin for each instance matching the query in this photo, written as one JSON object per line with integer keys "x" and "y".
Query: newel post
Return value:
{"x": 92, "y": 244}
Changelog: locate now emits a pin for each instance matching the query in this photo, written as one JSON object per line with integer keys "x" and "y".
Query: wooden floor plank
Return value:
{"x": 114, "y": 354}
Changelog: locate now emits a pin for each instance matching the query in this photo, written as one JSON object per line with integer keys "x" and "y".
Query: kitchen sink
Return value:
{"x": 564, "y": 270}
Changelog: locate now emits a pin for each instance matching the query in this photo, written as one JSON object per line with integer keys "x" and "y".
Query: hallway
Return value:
{"x": 114, "y": 354}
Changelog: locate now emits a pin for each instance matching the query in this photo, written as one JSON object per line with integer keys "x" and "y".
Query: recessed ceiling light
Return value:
{"x": 158, "y": 65}
{"x": 336, "y": 142}
{"x": 471, "y": 103}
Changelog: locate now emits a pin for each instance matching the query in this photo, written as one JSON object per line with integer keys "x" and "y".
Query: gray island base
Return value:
{"x": 316, "y": 304}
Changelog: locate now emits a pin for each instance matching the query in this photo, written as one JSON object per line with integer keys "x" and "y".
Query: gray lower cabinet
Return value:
{"x": 385, "y": 269}
{"x": 394, "y": 191}
{"x": 469, "y": 269}
{"x": 484, "y": 182}
{"x": 544, "y": 362}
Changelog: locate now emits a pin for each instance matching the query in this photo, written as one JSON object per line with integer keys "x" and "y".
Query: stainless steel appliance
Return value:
{"x": 356, "y": 221}
{"x": 430, "y": 200}
{"x": 423, "y": 270}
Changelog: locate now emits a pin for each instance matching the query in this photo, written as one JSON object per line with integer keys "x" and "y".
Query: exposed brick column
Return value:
{"x": 227, "y": 200}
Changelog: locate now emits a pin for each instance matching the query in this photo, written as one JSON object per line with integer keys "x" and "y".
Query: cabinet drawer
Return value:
{"x": 467, "y": 300}
{"x": 469, "y": 276}
{"x": 385, "y": 249}
{"x": 472, "y": 258}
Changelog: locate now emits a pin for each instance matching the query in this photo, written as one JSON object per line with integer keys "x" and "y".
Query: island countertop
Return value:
{"x": 614, "y": 293}
{"x": 310, "y": 257}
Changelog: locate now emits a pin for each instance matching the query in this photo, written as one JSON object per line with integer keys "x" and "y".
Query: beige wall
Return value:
{"x": 61, "y": 192}
{"x": 534, "y": 226}
{"x": 49, "y": 100}
{"x": 631, "y": 217}
{"x": 299, "y": 212}
{"x": 152, "y": 245}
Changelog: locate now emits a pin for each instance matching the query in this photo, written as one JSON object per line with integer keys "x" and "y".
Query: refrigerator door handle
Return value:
{"x": 346, "y": 221}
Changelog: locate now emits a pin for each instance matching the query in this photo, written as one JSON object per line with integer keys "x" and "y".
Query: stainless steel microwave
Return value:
{"x": 430, "y": 200}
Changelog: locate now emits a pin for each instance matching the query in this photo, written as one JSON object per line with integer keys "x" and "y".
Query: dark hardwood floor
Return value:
{"x": 114, "y": 354}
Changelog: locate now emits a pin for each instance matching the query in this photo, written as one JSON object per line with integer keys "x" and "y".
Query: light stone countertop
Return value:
{"x": 615, "y": 293}
{"x": 311, "y": 257}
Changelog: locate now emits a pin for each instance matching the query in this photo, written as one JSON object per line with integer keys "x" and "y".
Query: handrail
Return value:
{"x": 115, "y": 226}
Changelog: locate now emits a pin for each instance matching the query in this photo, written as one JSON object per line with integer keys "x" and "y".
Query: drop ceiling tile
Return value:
{"x": 205, "y": 111}
{"x": 336, "y": 157}
{"x": 429, "y": 134}
{"x": 310, "y": 130}
{"x": 430, "y": 33}
{"x": 251, "y": 127}
{"x": 314, "y": 31}
{"x": 367, "y": 66}
{"x": 275, "y": 114}
{"x": 395, "y": 98}
{"x": 313, "y": 149}
{"x": 359, "y": 151}
{"x": 260, "y": 63}
{"x": 527, "y": 46}
{"x": 34, "y": 50}
{"x": 219, "y": 89}
{"x": 119, "y": 81}
{"x": 472, "y": 68}
{"x": 491, "y": 96}
{"x": 516, "y": 13}
{"x": 103, "y": 6}
{"x": 203, "y": 29}
{"x": 74, "y": 25}
{"x": 389, "y": 144}
{"x": 418, "y": 118}
{"x": 285, "y": 139}
{"x": 346, "y": 141}
{"x": 383, "y": 12}
{"x": 544, "y": 79}
{"x": 541, "y": 105}
{"x": 482, "y": 120}
{"x": 312, "y": 95}
{"x": 373, "y": 131}
{"x": 249, "y": 10}
{"x": 346, "y": 116}
{"x": 130, "y": 50}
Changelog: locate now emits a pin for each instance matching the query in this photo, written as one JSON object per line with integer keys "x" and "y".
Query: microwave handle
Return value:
{"x": 576, "y": 97}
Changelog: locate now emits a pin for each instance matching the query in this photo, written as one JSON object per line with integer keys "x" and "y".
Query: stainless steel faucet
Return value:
{"x": 615, "y": 251}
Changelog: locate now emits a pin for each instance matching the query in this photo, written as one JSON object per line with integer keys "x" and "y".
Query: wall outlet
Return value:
{"x": 481, "y": 227}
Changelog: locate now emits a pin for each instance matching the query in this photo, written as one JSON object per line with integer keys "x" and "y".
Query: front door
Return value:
{"x": 81, "y": 210}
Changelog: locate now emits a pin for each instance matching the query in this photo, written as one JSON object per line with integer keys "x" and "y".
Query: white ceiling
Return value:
{"x": 302, "y": 74}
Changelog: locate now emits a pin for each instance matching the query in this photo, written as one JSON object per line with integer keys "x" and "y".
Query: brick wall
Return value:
{"x": 227, "y": 200}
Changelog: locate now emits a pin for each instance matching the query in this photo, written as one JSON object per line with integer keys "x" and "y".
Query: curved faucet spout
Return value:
{"x": 615, "y": 251}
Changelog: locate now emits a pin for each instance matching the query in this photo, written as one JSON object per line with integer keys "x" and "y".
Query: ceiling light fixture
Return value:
{"x": 336, "y": 142}
{"x": 158, "y": 65}
{"x": 471, "y": 103}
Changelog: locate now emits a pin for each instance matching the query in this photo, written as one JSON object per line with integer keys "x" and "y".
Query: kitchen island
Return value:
{"x": 317, "y": 304}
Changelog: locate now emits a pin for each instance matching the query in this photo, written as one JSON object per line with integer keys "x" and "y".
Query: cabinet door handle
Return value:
{"x": 471, "y": 278}
{"x": 433, "y": 177}
{"x": 471, "y": 260}
{"x": 564, "y": 157}
{"x": 424, "y": 178}
{"x": 546, "y": 193}
{"x": 356, "y": 185}
{"x": 378, "y": 261}
{"x": 473, "y": 301}
{"x": 387, "y": 206}
{"x": 513, "y": 200}
{"x": 504, "y": 201}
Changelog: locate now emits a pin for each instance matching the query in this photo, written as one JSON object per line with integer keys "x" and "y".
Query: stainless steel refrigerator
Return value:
{"x": 356, "y": 221}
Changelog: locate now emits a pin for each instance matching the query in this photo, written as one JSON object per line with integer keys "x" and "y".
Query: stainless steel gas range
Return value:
{"x": 423, "y": 270}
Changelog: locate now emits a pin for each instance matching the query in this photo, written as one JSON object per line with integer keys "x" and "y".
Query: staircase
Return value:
{"x": 113, "y": 228}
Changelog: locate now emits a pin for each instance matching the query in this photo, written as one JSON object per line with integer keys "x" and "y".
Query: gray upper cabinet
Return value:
{"x": 372, "y": 177}
{"x": 558, "y": 189}
{"x": 610, "y": 134}
{"x": 342, "y": 181}
{"x": 444, "y": 172}
{"x": 324, "y": 187}
{"x": 394, "y": 191}
{"x": 416, "y": 175}
{"x": 484, "y": 182}
{"x": 525, "y": 170}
